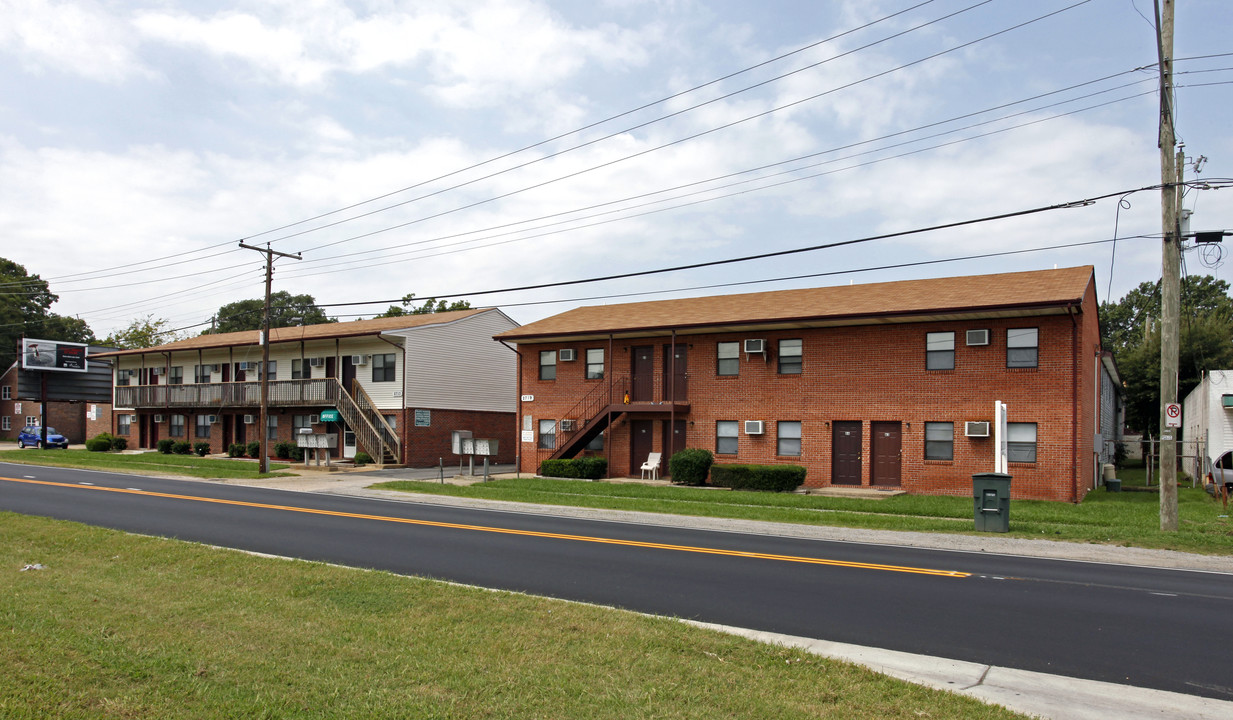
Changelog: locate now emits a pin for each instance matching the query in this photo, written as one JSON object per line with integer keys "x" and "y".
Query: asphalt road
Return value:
{"x": 1147, "y": 627}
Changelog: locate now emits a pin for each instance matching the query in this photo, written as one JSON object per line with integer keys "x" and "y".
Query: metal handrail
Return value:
{"x": 382, "y": 426}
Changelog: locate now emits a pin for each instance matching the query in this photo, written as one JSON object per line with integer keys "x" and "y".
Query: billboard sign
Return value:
{"x": 53, "y": 355}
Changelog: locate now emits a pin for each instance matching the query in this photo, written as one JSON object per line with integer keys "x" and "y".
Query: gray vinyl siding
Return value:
{"x": 459, "y": 366}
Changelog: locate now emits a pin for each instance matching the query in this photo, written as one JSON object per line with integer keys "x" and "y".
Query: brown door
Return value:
{"x": 143, "y": 431}
{"x": 348, "y": 373}
{"x": 643, "y": 385}
{"x": 329, "y": 367}
{"x": 845, "y": 453}
{"x": 641, "y": 443}
{"x": 671, "y": 444}
{"x": 240, "y": 430}
{"x": 676, "y": 374}
{"x": 227, "y": 421}
{"x": 886, "y": 445}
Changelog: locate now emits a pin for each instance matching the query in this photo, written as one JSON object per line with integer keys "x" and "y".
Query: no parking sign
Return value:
{"x": 1173, "y": 415}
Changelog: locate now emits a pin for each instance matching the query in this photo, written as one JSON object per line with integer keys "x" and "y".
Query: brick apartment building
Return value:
{"x": 878, "y": 385}
{"x": 74, "y": 401}
{"x": 395, "y": 388}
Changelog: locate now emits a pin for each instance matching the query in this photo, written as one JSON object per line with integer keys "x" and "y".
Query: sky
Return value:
{"x": 453, "y": 149}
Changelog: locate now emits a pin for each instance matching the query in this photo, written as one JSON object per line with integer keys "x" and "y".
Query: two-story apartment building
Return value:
{"x": 395, "y": 388}
{"x": 878, "y": 385}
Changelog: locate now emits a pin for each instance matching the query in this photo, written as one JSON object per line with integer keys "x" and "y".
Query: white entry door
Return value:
{"x": 348, "y": 443}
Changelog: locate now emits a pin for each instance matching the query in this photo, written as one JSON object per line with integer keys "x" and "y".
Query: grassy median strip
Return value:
{"x": 150, "y": 463}
{"x": 1126, "y": 518}
{"x": 121, "y": 626}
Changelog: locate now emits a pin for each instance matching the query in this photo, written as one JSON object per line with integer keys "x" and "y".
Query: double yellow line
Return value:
{"x": 508, "y": 531}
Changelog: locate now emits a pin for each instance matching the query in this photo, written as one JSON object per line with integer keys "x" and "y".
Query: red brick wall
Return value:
{"x": 102, "y": 422}
{"x": 868, "y": 374}
{"x": 424, "y": 446}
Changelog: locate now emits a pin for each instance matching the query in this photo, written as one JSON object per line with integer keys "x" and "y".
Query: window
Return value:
{"x": 33, "y": 421}
{"x": 939, "y": 441}
{"x": 548, "y": 365}
{"x": 1021, "y": 442}
{"x": 6, "y": 393}
{"x": 383, "y": 368}
{"x": 392, "y": 420}
{"x": 1021, "y": 348}
{"x": 201, "y": 373}
{"x": 176, "y": 375}
{"x": 725, "y": 435}
{"x": 124, "y": 424}
{"x": 595, "y": 364}
{"x": 789, "y": 438}
{"x": 548, "y": 434}
{"x": 940, "y": 351}
{"x": 122, "y": 377}
{"x": 597, "y": 444}
{"x": 5, "y": 423}
{"x": 300, "y": 422}
{"x": 203, "y": 427}
{"x": 177, "y": 426}
{"x": 272, "y": 368}
{"x": 729, "y": 355}
{"x": 271, "y": 426}
{"x": 790, "y": 357}
{"x": 300, "y": 369}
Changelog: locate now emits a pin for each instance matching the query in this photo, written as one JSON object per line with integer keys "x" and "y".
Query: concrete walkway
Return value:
{"x": 1037, "y": 694}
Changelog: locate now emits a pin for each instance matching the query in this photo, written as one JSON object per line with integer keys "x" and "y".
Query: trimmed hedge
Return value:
{"x": 118, "y": 443}
{"x": 253, "y": 449}
{"x": 235, "y": 450}
{"x": 202, "y": 449}
{"x": 165, "y": 445}
{"x": 586, "y": 468}
{"x": 183, "y": 447}
{"x": 99, "y": 443}
{"x": 775, "y": 478}
{"x": 690, "y": 466}
{"x": 362, "y": 458}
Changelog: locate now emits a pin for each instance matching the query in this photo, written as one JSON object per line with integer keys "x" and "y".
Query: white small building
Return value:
{"x": 1207, "y": 417}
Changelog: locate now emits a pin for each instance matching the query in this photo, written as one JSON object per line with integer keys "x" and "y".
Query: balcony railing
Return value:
{"x": 282, "y": 393}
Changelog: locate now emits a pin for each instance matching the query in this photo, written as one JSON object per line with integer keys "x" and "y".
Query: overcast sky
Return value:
{"x": 447, "y": 148}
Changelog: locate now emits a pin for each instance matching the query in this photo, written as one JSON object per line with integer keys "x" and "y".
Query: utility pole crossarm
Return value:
{"x": 263, "y": 431}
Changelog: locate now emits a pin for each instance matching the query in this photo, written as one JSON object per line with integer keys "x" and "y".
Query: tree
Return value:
{"x": 432, "y": 305}
{"x": 1206, "y": 342}
{"x": 25, "y": 303}
{"x": 286, "y": 310}
{"x": 142, "y": 333}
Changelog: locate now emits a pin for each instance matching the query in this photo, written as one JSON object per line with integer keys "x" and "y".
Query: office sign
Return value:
{"x": 52, "y": 355}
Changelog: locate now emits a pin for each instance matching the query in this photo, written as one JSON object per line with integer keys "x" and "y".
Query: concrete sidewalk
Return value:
{"x": 1037, "y": 694}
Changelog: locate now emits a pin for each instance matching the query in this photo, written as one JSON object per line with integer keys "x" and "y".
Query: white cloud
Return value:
{"x": 81, "y": 38}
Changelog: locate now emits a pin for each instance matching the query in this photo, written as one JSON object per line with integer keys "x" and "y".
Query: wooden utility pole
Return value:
{"x": 263, "y": 431}
{"x": 1170, "y": 281}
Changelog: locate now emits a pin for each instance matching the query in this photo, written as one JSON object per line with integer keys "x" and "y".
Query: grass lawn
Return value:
{"x": 125, "y": 626}
{"x": 151, "y": 463}
{"x": 1126, "y": 518}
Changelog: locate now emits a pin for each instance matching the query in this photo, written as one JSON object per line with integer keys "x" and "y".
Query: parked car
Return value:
{"x": 32, "y": 436}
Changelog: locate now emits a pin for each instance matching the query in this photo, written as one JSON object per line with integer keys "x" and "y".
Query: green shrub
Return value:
{"x": 201, "y": 448}
{"x": 165, "y": 445}
{"x": 297, "y": 453}
{"x": 282, "y": 450}
{"x": 775, "y": 478}
{"x": 98, "y": 444}
{"x": 362, "y": 458}
{"x": 235, "y": 450}
{"x": 119, "y": 443}
{"x": 253, "y": 449}
{"x": 587, "y": 468}
{"x": 690, "y": 466}
{"x": 182, "y": 447}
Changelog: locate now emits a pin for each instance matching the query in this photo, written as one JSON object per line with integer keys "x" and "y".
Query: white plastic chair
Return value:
{"x": 651, "y": 466}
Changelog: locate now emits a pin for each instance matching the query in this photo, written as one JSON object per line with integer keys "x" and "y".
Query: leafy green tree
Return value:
{"x": 432, "y": 305}
{"x": 25, "y": 304}
{"x": 286, "y": 310}
{"x": 1131, "y": 320}
{"x": 142, "y": 333}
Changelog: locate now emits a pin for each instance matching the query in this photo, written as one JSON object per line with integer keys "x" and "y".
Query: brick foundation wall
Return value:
{"x": 424, "y": 446}
{"x": 865, "y": 374}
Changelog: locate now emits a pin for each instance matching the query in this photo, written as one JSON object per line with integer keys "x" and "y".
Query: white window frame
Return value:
{"x": 939, "y": 349}
{"x": 387, "y": 363}
{"x": 182, "y": 424}
{"x": 592, "y": 363}
{"x": 547, "y": 440}
{"x": 791, "y": 348}
{"x": 6, "y": 423}
{"x": 1024, "y": 344}
{"x": 124, "y": 424}
{"x": 6, "y": 393}
{"x": 547, "y": 359}
{"x": 728, "y": 357}
{"x": 727, "y": 435}
{"x": 788, "y": 431}
{"x": 202, "y": 421}
{"x": 1021, "y": 441}
{"x": 938, "y": 434}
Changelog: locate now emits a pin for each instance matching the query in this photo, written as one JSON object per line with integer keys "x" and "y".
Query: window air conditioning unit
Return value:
{"x": 359, "y": 359}
{"x": 567, "y": 355}
{"x": 316, "y": 362}
{"x": 158, "y": 418}
{"x": 314, "y": 419}
{"x": 567, "y": 425}
{"x": 753, "y": 427}
{"x": 157, "y": 370}
{"x": 246, "y": 366}
{"x": 976, "y": 429}
{"x": 978, "y": 337}
{"x": 249, "y": 419}
{"x": 755, "y": 346}
{"x": 211, "y": 419}
{"x": 216, "y": 368}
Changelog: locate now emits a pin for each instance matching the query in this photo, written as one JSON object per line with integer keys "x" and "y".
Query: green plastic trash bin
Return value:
{"x": 1113, "y": 485}
{"x": 991, "y": 501}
